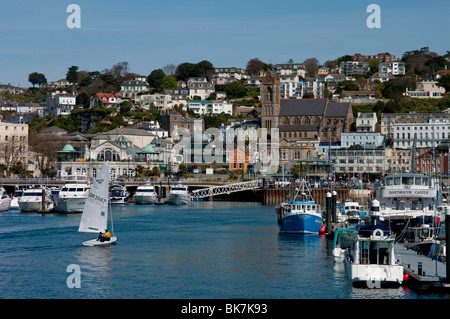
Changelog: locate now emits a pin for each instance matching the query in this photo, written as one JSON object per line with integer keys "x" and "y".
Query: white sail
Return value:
{"x": 95, "y": 213}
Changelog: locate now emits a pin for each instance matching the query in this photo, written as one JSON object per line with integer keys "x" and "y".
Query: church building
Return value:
{"x": 306, "y": 120}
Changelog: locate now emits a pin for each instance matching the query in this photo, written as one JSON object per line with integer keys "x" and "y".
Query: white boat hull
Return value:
{"x": 145, "y": 199}
{"x": 373, "y": 275}
{"x": 5, "y": 204}
{"x": 15, "y": 202}
{"x": 95, "y": 242}
{"x": 179, "y": 199}
{"x": 33, "y": 206}
{"x": 70, "y": 205}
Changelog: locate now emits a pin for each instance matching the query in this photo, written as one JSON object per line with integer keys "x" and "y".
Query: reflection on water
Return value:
{"x": 204, "y": 250}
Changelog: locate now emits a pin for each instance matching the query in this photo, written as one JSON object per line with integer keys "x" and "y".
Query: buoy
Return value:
{"x": 405, "y": 277}
{"x": 322, "y": 230}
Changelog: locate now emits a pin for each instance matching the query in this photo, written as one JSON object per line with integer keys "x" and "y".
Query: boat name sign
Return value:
{"x": 409, "y": 193}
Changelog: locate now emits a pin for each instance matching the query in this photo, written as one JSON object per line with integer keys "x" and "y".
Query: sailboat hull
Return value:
{"x": 95, "y": 242}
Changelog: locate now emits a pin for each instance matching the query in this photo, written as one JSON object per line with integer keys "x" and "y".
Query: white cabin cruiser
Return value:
{"x": 73, "y": 194}
{"x": 371, "y": 259}
{"x": 179, "y": 195}
{"x": 145, "y": 194}
{"x": 5, "y": 200}
{"x": 36, "y": 200}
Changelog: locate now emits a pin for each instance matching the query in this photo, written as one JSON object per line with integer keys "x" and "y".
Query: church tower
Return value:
{"x": 270, "y": 96}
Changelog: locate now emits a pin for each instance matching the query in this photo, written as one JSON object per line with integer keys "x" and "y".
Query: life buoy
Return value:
{"x": 377, "y": 233}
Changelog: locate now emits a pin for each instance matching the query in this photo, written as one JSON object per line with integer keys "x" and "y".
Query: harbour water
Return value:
{"x": 207, "y": 250}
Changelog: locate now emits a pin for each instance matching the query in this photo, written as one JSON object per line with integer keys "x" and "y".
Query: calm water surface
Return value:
{"x": 214, "y": 250}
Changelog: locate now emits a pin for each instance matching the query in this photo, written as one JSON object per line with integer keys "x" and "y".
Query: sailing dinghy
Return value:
{"x": 94, "y": 218}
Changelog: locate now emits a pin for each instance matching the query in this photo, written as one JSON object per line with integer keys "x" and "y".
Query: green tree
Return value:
{"x": 72, "y": 74}
{"x": 182, "y": 170}
{"x": 206, "y": 69}
{"x": 373, "y": 65}
{"x": 444, "y": 81}
{"x": 308, "y": 95}
{"x": 155, "y": 78}
{"x": 37, "y": 78}
{"x": 168, "y": 82}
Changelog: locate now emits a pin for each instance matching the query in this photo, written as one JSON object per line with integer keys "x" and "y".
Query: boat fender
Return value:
{"x": 377, "y": 233}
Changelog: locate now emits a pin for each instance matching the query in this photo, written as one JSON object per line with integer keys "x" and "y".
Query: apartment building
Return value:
{"x": 13, "y": 143}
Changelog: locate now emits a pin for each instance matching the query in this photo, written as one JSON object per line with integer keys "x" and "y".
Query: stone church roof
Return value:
{"x": 337, "y": 109}
{"x": 302, "y": 107}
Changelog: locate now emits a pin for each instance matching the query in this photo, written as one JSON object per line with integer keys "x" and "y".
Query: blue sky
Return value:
{"x": 150, "y": 34}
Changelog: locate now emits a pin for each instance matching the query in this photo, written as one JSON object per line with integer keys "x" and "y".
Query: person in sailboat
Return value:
{"x": 105, "y": 237}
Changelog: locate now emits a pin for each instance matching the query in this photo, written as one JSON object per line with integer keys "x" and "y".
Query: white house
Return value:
{"x": 290, "y": 69}
{"x": 366, "y": 122}
{"x": 394, "y": 68}
{"x": 210, "y": 107}
{"x": 362, "y": 138}
{"x": 426, "y": 89}
{"x": 201, "y": 87}
{"x": 232, "y": 73}
{"x": 61, "y": 103}
{"x": 159, "y": 101}
{"x": 105, "y": 99}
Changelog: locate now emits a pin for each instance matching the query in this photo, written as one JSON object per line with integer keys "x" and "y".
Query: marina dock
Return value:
{"x": 424, "y": 272}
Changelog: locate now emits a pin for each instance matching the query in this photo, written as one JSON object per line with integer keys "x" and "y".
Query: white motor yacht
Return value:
{"x": 5, "y": 200}
{"x": 73, "y": 194}
{"x": 179, "y": 195}
{"x": 36, "y": 200}
{"x": 145, "y": 194}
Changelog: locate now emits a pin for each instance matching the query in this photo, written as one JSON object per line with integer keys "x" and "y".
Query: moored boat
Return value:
{"x": 406, "y": 200}
{"x": 352, "y": 211}
{"x": 37, "y": 199}
{"x": 343, "y": 239}
{"x": 371, "y": 259}
{"x": 73, "y": 194}
{"x": 5, "y": 200}
{"x": 15, "y": 199}
{"x": 300, "y": 216}
{"x": 179, "y": 195}
{"x": 118, "y": 193}
{"x": 145, "y": 194}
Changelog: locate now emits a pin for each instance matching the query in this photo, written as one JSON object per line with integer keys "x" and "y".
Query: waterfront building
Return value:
{"x": 238, "y": 160}
{"x": 13, "y": 144}
{"x": 362, "y": 161}
{"x": 398, "y": 160}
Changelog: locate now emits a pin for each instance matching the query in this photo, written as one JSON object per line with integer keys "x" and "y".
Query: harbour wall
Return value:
{"x": 275, "y": 196}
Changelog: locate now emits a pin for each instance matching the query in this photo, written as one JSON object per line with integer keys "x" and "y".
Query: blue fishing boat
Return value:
{"x": 301, "y": 215}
